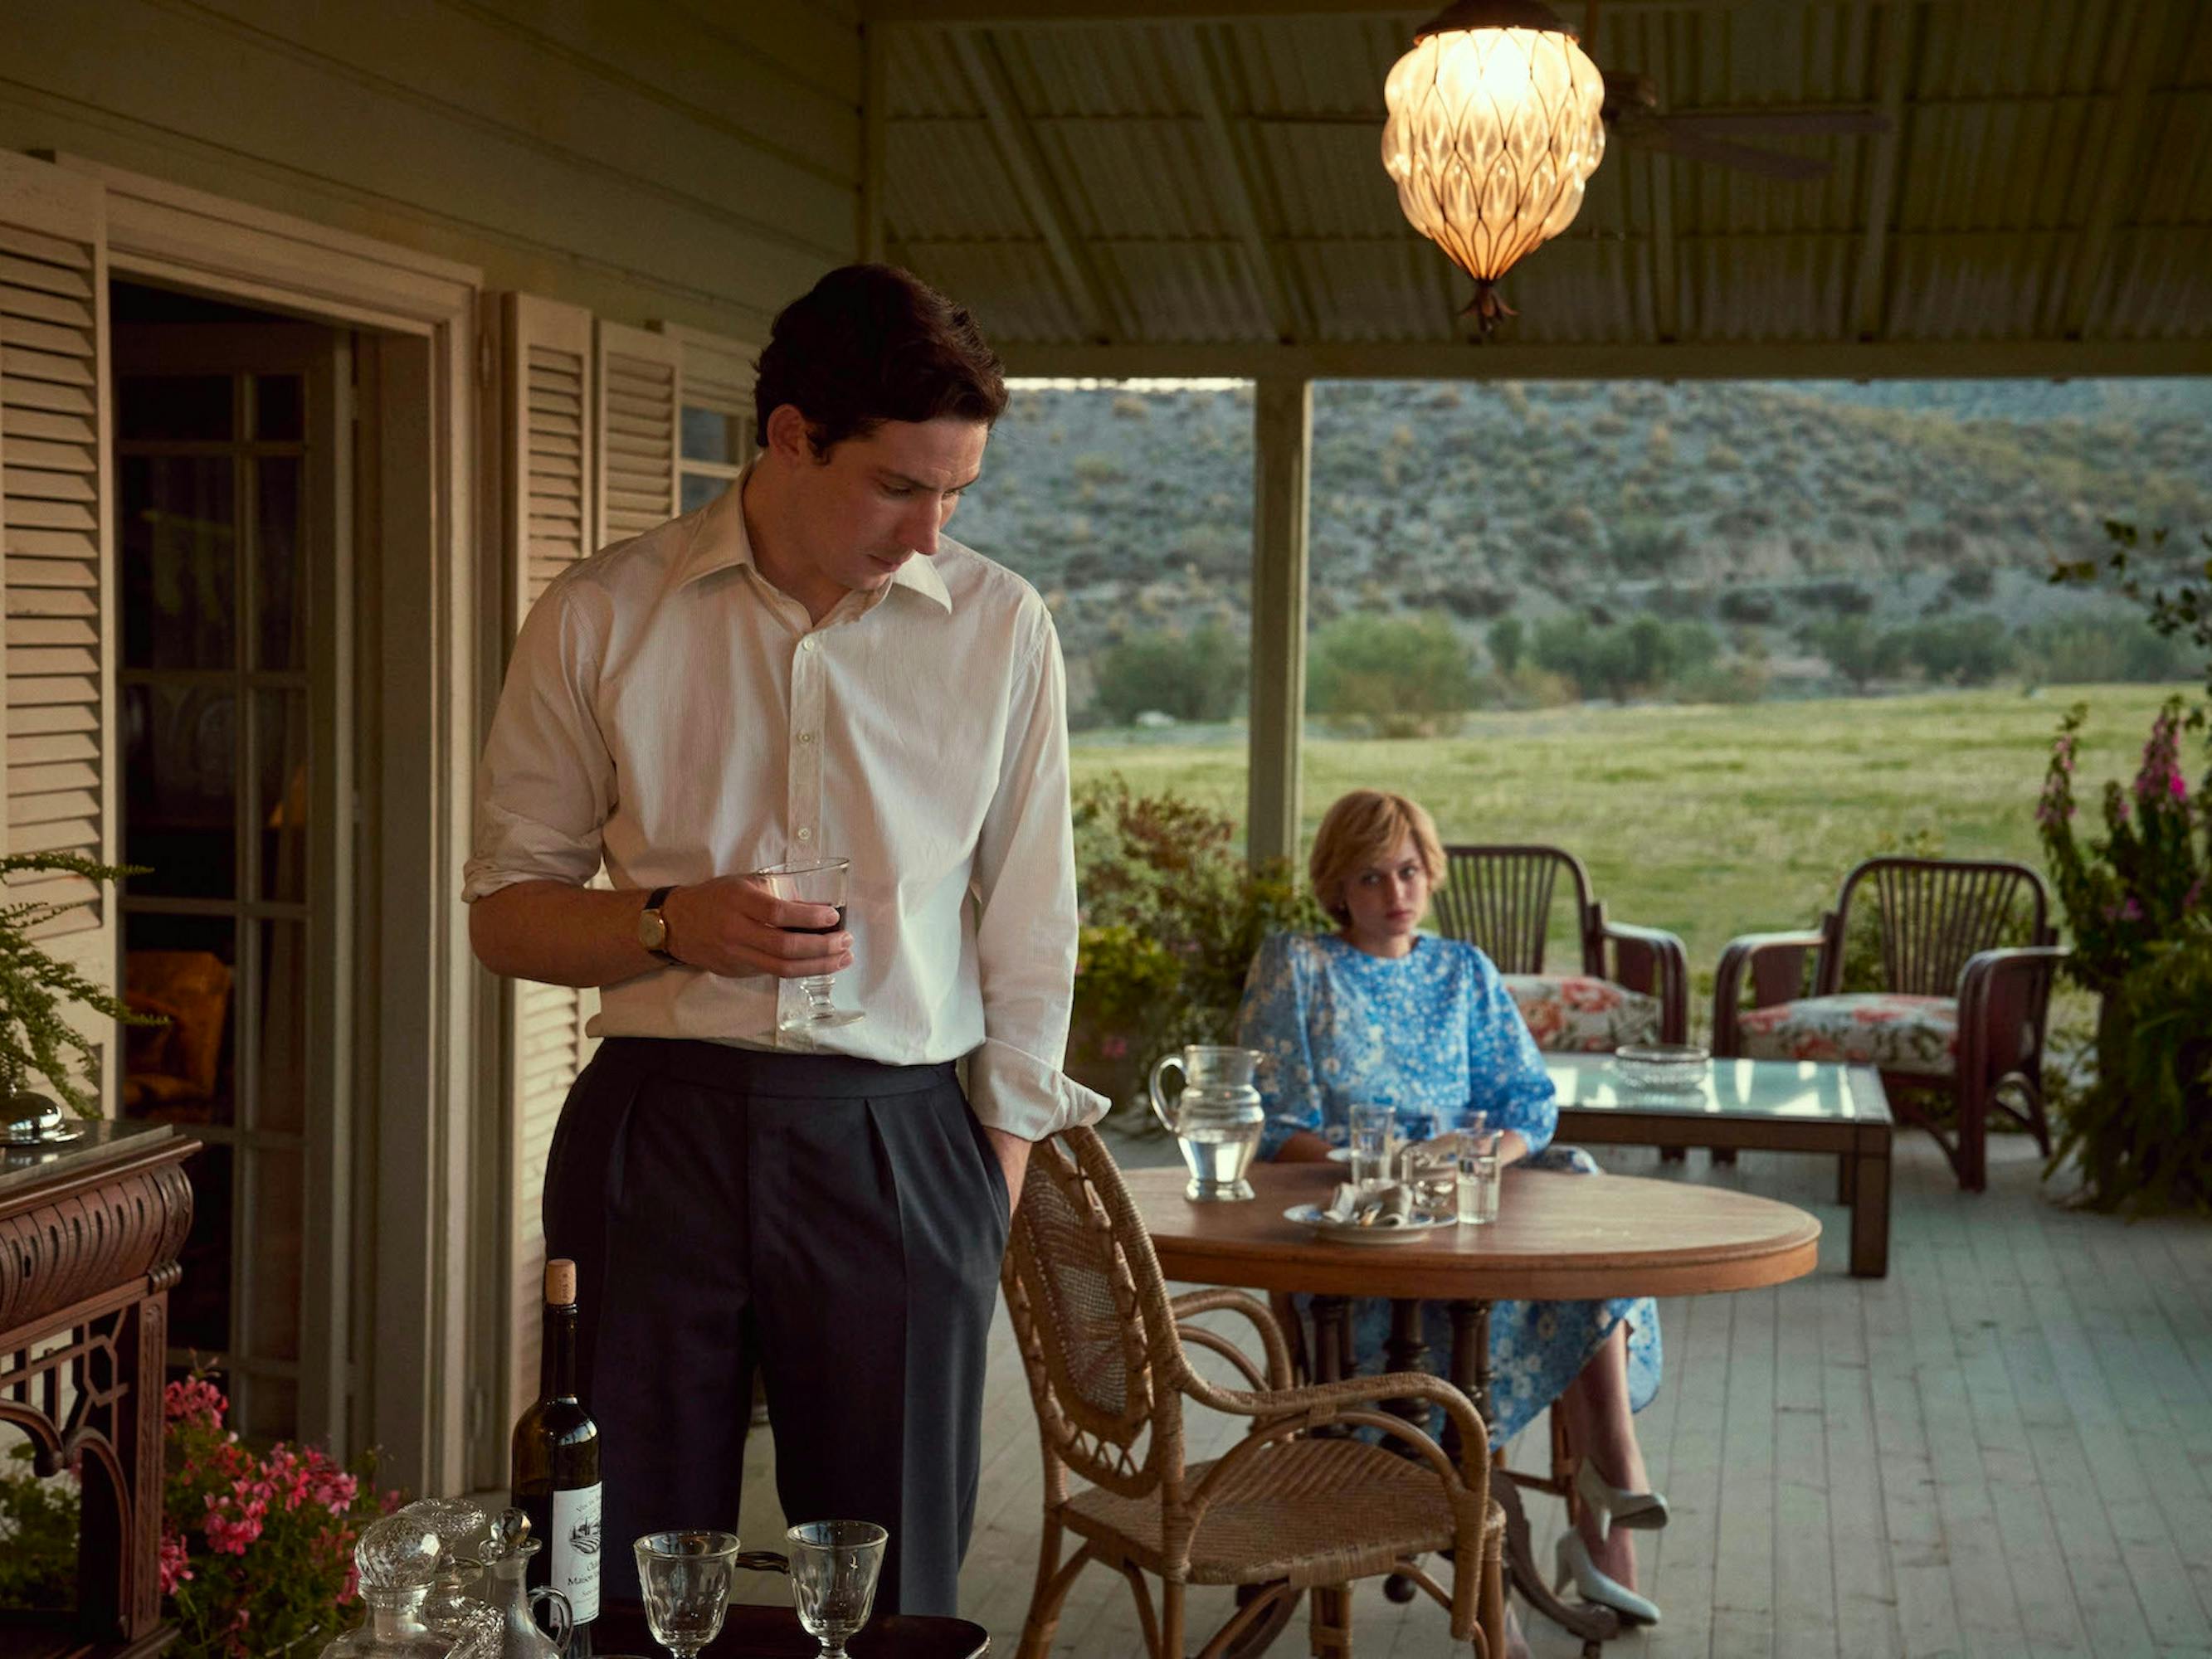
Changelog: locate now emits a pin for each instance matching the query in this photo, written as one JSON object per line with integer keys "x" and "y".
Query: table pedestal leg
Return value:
{"x": 1404, "y": 1350}
{"x": 1471, "y": 1373}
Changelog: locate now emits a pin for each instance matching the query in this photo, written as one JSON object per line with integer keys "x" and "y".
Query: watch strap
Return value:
{"x": 654, "y": 902}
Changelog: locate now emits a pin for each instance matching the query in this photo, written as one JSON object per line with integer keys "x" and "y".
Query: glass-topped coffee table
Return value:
{"x": 1767, "y": 1105}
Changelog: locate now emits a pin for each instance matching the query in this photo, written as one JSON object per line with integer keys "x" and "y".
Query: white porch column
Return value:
{"x": 1282, "y": 420}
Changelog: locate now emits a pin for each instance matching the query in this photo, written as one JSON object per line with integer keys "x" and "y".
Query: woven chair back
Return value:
{"x": 1091, "y": 1314}
{"x": 1934, "y": 913}
{"x": 1499, "y": 899}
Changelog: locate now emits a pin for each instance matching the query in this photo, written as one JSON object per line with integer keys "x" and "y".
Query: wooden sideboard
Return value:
{"x": 89, "y": 1237}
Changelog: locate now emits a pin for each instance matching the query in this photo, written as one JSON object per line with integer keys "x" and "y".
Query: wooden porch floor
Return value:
{"x": 2004, "y": 1447}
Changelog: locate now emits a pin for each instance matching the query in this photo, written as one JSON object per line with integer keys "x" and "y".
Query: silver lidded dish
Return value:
{"x": 1661, "y": 1067}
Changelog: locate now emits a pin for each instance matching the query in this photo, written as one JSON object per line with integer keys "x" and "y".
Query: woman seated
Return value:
{"x": 1378, "y": 1012}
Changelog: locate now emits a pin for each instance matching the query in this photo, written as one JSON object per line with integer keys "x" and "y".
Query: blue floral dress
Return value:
{"x": 1434, "y": 1033}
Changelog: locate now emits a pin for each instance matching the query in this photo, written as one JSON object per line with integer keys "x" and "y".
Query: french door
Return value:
{"x": 233, "y": 485}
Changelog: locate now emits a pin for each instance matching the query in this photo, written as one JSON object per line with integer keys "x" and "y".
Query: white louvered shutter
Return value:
{"x": 56, "y": 552}
{"x": 546, "y": 387}
{"x": 640, "y": 389}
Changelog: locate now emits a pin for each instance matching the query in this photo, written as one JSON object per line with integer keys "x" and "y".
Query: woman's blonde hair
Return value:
{"x": 1361, "y": 827}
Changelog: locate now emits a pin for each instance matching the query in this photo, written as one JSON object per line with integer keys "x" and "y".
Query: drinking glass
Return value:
{"x": 686, "y": 1578}
{"x": 834, "y": 1565}
{"x": 1371, "y": 1126}
{"x": 1481, "y": 1176}
{"x": 812, "y": 881}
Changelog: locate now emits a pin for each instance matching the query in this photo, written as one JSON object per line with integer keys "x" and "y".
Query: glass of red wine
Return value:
{"x": 812, "y": 881}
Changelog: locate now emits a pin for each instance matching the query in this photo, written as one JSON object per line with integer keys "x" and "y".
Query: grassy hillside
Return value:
{"x": 1709, "y": 821}
{"x": 1758, "y": 511}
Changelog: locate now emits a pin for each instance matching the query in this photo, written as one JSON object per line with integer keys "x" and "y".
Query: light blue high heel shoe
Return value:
{"x": 1571, "y": 1557}
{"x": 1640, "y": 1511}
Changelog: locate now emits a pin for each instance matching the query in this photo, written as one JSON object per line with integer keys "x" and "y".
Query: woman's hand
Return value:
{"x": 1304, "y": 1147}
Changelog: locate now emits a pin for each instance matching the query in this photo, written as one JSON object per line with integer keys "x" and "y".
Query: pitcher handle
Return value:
{"x": 1159, "y": 1100}
{"x": 563, "y": 1618}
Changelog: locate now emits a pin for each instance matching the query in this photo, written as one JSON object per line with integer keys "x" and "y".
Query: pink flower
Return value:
{"x": 1113, "y": 1047}
{"x": 2176, "y": 787}
{"x": 174, "y": 1561}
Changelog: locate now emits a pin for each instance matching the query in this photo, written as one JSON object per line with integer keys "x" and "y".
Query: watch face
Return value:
{"x": 652, "y": 930}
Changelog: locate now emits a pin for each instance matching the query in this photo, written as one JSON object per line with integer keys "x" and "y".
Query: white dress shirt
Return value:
{"x": 672, "y": 713}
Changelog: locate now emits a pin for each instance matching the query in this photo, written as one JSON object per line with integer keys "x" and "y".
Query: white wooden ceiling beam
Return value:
{"x": 1870, "y": 286}
{"x": 1034, "y": 183}
{"x": 1447, "y": 360}
{"x": 1199, "y": 65}
{"x": 974, "y": 12}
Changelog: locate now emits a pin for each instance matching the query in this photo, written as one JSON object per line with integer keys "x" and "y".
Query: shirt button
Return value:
{"x": 806, "y": 737}
{"x": 806, "y": 644}
{"x": 805, "y": 834}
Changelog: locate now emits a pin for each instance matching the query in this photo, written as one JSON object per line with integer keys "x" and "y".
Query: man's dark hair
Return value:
{"x": 871, "y": 343}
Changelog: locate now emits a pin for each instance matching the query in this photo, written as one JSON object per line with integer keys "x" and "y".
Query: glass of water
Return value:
{"x": 1371, "y": 1129}
{"x": 834, "y": 1566}
{"x": 686, "y": 1578}
{"x": 1480, "y": 1174}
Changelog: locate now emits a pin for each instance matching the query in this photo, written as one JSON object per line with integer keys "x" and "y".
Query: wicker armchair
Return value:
{"x": 1284, "y": 1511}
{"x": 1957, "y": 1010}
{"x": 1499, "y": 898}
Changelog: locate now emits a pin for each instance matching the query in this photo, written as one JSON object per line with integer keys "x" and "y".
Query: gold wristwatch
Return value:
{"x": 653, "y": 927}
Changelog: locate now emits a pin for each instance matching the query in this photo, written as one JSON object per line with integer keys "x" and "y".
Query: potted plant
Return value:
{"x": 36, "y": 1037}
{"x": 2138, "y": 902}
{"x": 1172, "y": 917}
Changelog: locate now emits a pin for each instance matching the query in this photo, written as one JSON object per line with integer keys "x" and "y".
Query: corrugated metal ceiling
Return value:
{"x": 2010, "y": 215}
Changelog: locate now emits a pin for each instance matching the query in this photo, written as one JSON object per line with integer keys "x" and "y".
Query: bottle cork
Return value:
{"x": 560, "y": 1282}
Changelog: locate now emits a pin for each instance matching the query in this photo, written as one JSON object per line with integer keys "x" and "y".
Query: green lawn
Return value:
{"x": 1710, "y": 821}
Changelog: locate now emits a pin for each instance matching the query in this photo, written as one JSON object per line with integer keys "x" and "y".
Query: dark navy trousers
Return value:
{"x": 836, "y": 1223}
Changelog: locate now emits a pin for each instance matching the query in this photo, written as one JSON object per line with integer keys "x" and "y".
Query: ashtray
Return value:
{"x": 1662, "y": 1067}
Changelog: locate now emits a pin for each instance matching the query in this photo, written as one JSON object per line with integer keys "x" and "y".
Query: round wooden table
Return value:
{"x": 1558, "y": 1237}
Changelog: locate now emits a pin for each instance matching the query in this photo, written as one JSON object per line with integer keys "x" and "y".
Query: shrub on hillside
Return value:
{"x": 1647, "y": 547}
{"x": 2102, "y": 649}
{"x": 1747, "y": 605}
{"x": 1845, "y": 598}
{"x": 1957, "y": 651}
{"x": 1400, "y": 674}
{"x": 1197, "y": 675}
{"x": 1508, "y": 639}
{"x": 1617, "y": 661}
{"x": 1852, "y": 646}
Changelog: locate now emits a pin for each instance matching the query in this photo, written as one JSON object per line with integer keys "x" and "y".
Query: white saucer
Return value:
{"x": 1313, "y": 1216}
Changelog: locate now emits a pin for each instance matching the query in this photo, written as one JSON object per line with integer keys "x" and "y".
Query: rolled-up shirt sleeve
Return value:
{"x": 1026, "y": 931}
{"x": 546, "y": 784}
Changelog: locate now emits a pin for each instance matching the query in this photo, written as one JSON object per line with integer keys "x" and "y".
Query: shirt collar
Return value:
{"x": 718, "y": 542}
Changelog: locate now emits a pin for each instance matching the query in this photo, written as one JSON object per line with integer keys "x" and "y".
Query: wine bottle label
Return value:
{"x": 575, "y": 1550}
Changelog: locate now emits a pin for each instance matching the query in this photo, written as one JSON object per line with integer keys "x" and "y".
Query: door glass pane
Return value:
{"x": 195, "y": 408}
{"x": 710, "y": 435}
{"x": 700, "y": 488}
{"x": 181, "y": 746}
{"x": 281, "y": 1094}
{"x": 183, "y": 968}
{"x": 278, "y": 401}
{"x": 179, "y": 561}
{"x": 270, "y": 1318}
{"x": 278, "y": 593}
{"x": 199, "y": 1306}
{"x": 280, "y": 770}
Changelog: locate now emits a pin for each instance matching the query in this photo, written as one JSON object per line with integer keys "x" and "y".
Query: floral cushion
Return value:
{"x": 1917, "y": 1035}
{"x": 1572, "y": 1013}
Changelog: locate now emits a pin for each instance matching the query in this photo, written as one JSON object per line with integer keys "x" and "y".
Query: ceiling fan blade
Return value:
{"x": 1733, "y": 123}
{"x": 1695, "y": 147}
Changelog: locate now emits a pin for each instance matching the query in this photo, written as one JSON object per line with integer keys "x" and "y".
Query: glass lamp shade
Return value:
{"x": 1492, "y": 135}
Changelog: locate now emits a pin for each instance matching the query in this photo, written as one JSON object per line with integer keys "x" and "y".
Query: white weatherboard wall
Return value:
{"x": 683, "y": 160}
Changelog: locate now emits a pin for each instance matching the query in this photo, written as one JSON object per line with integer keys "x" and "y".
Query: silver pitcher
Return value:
{"x": 1216, "y": 1119}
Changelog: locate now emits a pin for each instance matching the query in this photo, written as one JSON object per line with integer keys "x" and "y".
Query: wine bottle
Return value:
{"x": 556, "y": 1473}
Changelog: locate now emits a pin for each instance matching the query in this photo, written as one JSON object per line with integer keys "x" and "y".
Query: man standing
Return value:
{"x": 802, "y": 667}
